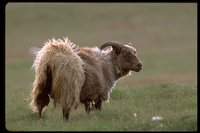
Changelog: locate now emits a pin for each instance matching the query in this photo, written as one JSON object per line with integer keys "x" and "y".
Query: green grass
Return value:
{"x": 176, "y": 103}
{"x": 165, "y": 36}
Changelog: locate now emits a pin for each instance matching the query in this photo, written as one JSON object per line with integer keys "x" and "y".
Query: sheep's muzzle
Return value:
{"x": 137, "y": 67}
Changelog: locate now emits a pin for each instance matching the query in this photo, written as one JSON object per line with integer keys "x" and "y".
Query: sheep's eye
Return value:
{"x": 127, "y": 57}
{"x": 125, "y": 53}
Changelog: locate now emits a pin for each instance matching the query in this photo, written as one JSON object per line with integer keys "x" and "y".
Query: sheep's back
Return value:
{"x": 98, "y": 74}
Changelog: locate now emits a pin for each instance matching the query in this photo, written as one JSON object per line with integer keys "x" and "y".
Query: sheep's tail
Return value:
{"x": 58, "y": 74}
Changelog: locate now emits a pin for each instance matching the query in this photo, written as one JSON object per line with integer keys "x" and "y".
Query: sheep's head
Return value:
{"x": 126, "y": 56}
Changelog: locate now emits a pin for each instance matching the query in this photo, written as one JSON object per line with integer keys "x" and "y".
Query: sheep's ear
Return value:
{"x": 130, "y": 44}
{"x": 117, "y": 49}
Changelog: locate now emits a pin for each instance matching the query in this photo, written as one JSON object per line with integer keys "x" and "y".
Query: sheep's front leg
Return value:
{"x": 98, "y": 105}
{"x": 89, "y": 106}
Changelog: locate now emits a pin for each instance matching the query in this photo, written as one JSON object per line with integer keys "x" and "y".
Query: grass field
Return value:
{"x": 165, "y": 36}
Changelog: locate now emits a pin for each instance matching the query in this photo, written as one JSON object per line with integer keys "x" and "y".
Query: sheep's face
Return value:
{"x": 128, "y": 59}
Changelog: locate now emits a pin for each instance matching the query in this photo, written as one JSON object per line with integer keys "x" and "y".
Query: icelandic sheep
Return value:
{"x": 70, "y": 74}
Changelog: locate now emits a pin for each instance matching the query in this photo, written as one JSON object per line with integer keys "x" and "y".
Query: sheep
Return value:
{"x": 71, "y": 75}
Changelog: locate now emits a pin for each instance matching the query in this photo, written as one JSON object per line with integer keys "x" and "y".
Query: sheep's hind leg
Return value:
{"x": 65, "y": 113}
{"x": 39, "y": 111}
{"x": 42, "y": 101}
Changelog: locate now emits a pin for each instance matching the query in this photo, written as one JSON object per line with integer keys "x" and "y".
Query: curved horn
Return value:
{"x": 114, "y": 44}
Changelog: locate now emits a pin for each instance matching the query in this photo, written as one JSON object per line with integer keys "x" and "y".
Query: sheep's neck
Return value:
{"x": 121, "y": 73}
{"x": 117, "y": 71}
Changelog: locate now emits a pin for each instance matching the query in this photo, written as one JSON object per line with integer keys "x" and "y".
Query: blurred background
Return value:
{"x": 164, "y": 34}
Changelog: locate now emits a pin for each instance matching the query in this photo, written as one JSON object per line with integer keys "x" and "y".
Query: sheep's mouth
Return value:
{"x": 137, "y": 69}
